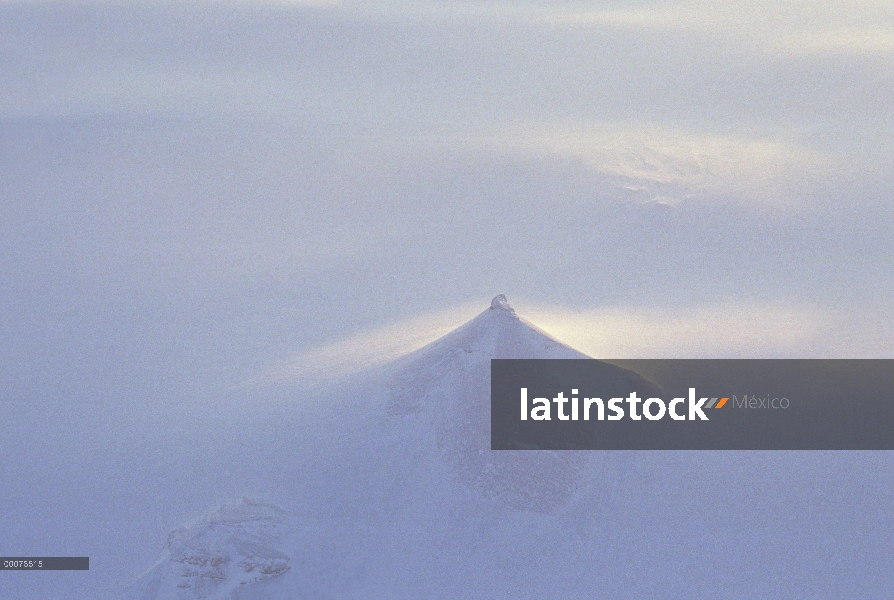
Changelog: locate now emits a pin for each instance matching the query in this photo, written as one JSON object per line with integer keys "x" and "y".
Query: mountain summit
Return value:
{"x": 444, "y": 388}
{"x": 407, "y": 499}
{"x": 498, "y": 332}
{"x": 456, "y": 367}
{"x": 500, "y": 302}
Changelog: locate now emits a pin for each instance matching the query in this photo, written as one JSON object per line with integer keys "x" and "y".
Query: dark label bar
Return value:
{"x": 692, "y": 404}
{"x": 45, "y": 563}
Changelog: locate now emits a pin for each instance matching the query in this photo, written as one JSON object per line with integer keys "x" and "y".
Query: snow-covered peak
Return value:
{"x": 406, "y": 480}
{"x": 443, "y": 389}
{"x": 497, "y": 332}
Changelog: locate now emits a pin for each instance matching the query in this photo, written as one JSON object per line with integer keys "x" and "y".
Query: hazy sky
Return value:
{"x": 202, "y": 189}
{"x": 192, "y": 193}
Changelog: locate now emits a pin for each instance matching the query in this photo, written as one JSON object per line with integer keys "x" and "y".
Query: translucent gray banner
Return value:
{"x": 692, "y": 404}
{"x": 44, "y": 563}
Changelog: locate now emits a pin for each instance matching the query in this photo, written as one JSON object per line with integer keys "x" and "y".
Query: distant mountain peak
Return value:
{"x": 496, "y": 332}
{"x": 443, "y": 390}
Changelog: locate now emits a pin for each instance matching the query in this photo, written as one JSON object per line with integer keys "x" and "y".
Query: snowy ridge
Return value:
{"x": 237, "y": 545}
{"x": 498, "y": 332}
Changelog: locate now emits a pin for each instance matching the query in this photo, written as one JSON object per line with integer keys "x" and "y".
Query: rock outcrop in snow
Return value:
{"x": 236, "y": 546}
{"x": 500, "y": 302}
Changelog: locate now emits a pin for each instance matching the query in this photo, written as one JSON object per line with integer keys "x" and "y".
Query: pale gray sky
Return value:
{"x": 209, "y": 188}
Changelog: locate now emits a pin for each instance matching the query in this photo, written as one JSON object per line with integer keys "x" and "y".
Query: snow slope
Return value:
{"x": 413, "y": 504}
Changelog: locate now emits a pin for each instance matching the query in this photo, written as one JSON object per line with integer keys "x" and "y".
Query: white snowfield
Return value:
{"x": 416, "y": 507}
